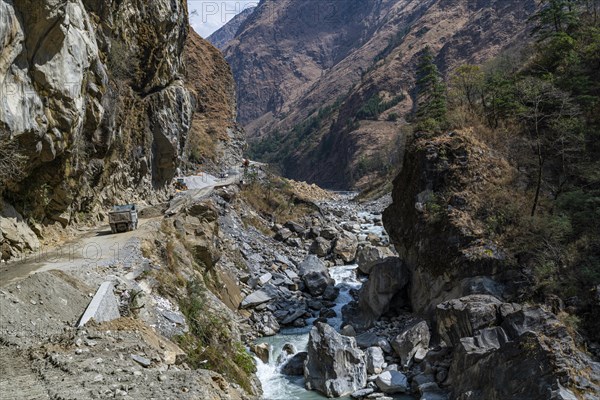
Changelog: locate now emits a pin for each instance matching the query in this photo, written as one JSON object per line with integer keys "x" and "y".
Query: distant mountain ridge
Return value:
{"x": 226, "y": 33}
{"x": 304, "y": 74}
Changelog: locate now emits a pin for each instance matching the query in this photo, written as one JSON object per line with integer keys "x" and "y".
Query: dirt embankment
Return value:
{"x": 44, "y": 356}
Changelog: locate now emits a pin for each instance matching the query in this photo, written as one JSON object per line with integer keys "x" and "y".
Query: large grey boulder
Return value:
{"x": 309, "y": 264}
{"x": 329, "y": 232}
{"x": 388, "y": 280}
{"x": 409, "y": 342}
{"x": 15, "y": 233}
{"x": 295, "y": 364}
{"x": 103, "y": 307}
{"x": 391, "y": 382}
{"x": 528, "y": 347}
{"x": 368, "y": 256}
{"x": 463, "y": 317}
{"x": 321, "y": 247}
{"x": 262, "y": 351}
{"x": 335, "y": 366}
{"x": 345, "y": 246}
{"x": 317, "y": 282}
{"x": 314, "y": 275}
{"x": 255, "y": 298}
{"x": 375, "y": 360}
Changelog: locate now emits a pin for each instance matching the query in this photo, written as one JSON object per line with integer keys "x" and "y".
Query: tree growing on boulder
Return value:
{"x": 431, "y": 94}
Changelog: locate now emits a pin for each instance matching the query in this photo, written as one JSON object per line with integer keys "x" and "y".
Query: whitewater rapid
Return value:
{"x": 281, "y": 387}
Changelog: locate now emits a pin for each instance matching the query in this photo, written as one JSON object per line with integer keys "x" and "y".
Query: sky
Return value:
{"x": 206, "y": 16}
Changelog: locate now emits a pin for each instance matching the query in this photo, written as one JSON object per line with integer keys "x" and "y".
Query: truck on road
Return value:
{"x": 123, "y": 218}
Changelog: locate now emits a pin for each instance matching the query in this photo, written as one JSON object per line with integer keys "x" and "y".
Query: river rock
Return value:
{"x": 362, "y": 393}
{"x": 410, "y": 341}
{"x": 348, "y": 330}
{"x": 255, "y": 299}
{"x": 295, "y": 364}
{"x": 374, "y": 239}
{"x": 329, "y": 233}
{"x": 391, "y": 382}
{"x": 331, "y": 293}
{"x": 368, "y": 256}
{"x": 262, "y": 351}
{"x": 335, "y": 366}
{"x": 327, "y": 313}
{"x": 317, "y": 282}
{"x": 287, "y": 351}
{"x": 375, "y": 360}
{"x": 267, "y": 325}
{"x": 387, "y": 282}
{"x": 309, "y": 264}
{"x": 321, "y": 247}
{"x": 293, "y": 316}
{"x": 345, "y": 246}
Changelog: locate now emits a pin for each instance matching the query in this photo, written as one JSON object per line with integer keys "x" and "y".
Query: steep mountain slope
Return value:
{"x": 290, "y": 62}
{"x": 215, "y": 140}
{"x": 98, "y": 107}
{"x": 221, "y": 37}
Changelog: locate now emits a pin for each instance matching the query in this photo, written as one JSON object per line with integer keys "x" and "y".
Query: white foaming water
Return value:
{"x": 280, "y": 387}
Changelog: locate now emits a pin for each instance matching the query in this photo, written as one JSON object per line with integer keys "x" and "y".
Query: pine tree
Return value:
{"x": 556, "y": 17}
{"x": 431, "y": 92}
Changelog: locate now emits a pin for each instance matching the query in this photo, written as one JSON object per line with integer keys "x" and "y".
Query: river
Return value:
{"x": 280, "y": 387}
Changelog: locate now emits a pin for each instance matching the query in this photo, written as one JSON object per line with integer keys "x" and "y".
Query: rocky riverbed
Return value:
{"x": 322, "y": 300}
{"x": 310, "y": 349}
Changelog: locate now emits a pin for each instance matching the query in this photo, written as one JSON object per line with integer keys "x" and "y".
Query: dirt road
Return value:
{"x": 94, "y": 248}
{"x": 98, "y": 246}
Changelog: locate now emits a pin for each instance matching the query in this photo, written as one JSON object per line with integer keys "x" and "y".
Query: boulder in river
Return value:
{"x": 345, "y": 246}
{"x": 375, "y": 360}
{"x": 368, "y": 256}
{"x": 335, "y": 366}
{"x": 295, "y": 364}
{"x": 311, "y": 263}
{"x": 390, "y": 382}
{"x": 262, "y": 351}
{"x": 317, "y": 282}
{"x": 386, "y": 287}
{"x": 409, "y": 342}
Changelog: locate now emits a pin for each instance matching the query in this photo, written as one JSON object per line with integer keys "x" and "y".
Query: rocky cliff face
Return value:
{"x": 468, "y": 286}
{"x": 221, "y": 38}
{"x": 98, "y": 105}
{"x": 434, "y": 224}
{"x": 306, "y": 71}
